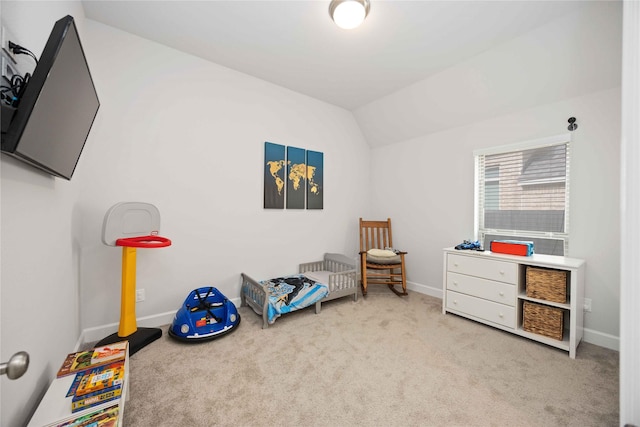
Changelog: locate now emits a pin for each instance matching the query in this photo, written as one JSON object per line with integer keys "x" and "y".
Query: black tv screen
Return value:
{"x": 58, "y": 106}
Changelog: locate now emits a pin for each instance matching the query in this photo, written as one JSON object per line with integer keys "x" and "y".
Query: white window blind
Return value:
{"x": 523, "y": 193}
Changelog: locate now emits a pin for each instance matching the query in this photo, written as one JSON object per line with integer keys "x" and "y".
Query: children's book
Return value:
{"x": 98, "y": 378}
{"x": 78, "y": 403}
{"x": 101, "y": 378}
{"x": 75, "y": 384}
{"x": 106, "y": 417}
{"x": 85, "y": 360}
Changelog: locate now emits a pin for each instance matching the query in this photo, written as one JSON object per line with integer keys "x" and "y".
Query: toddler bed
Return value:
{"x": 316, "y": 282}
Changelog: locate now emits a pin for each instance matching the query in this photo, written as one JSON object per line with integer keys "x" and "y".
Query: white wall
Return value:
{"x": 630, "y": 228}
{"x": 576, "y": 54}
{"x": 188, "y": 136}
{"x": 40, "y": 246}
{"x": 431, "y": 195}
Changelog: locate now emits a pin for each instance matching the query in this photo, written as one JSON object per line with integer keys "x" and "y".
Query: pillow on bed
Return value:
{"x": 318, "y": 276}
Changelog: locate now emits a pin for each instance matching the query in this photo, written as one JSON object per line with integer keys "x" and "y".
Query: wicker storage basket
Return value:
{"x": 543, "y": 320}
{"x": 547, "y": 284}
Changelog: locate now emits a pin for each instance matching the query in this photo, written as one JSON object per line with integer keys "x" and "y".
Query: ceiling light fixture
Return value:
{"x": 349, "y": 14}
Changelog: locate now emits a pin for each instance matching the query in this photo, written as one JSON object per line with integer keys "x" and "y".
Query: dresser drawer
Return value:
{"x": 485, "y": 268}
{"x": 482, "y": 309}
{"x": 504, "y": 293}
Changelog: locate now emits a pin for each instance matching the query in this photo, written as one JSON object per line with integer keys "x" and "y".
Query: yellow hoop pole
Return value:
{"x": 128, "y": 295}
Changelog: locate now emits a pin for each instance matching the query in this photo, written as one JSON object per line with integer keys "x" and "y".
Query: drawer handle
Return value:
{"x": 455, "y": 264}
{"x": 501, "y": 315}
{"x": 455, "y": 283}
{"x": 455, "y": 301}
{"x": 501, "y": 294}
{"x": 502, "y": 272}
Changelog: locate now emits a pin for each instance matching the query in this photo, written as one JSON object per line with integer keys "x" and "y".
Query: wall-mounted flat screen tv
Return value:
{"x": 57, "y": 108}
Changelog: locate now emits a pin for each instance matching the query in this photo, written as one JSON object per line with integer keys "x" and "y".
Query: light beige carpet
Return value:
{"x": 380, "y": 361}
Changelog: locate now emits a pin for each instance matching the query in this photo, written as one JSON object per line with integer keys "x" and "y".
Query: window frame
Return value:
{"x": 479, "y": 205}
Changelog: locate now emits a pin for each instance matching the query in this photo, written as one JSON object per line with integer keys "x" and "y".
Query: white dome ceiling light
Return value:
{"x": 349, "y": 14}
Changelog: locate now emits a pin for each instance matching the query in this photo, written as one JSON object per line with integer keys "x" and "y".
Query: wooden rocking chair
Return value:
{"x": 378, "y": 266}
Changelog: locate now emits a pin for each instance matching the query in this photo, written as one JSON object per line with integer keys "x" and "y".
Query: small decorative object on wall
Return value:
{"x": 315, "y": 172}
{"x": 274, "y": 169}
{"x": 296, "y": 176}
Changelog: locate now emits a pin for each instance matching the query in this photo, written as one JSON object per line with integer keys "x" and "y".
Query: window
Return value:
{"x": 523, "y": 193}
{"x": 492, "y": 188}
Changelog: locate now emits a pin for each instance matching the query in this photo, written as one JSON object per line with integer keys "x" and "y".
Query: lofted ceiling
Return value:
{"x": 296, "y": 45}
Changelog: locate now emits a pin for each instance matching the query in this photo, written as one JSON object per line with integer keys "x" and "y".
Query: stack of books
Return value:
{"x": 99, "y": 375}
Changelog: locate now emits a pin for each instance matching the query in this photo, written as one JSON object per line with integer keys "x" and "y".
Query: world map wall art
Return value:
{"x": 294, "y": 175}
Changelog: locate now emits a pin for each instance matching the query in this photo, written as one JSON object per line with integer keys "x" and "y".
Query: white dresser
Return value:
{"x": 491, "y": 288}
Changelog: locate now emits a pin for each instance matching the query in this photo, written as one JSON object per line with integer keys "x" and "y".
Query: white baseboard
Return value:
{"x": 601, "y": 339}
{"x": 154, "y": 321}
{"x": 424, "y": 289}
{"x": 593, "y": 337}
{"x": 98, "y": 332}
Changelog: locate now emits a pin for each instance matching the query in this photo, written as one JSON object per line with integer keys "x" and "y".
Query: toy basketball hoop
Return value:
{"x": 132, "y": 225}
{"x": 150, "y": 241}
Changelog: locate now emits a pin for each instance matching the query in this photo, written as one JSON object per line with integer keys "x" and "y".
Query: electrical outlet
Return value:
{"x": 8, "y": 68}
{"x": 587, "y": 305}
{"x": 140, "y": 295}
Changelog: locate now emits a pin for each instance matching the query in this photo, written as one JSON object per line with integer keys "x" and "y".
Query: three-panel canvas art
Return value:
{"x": 292, "y": 177}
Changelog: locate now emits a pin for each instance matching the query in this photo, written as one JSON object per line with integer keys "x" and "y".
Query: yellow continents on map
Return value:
{"x": 314, "y": 188}
{"x": 274, "y": 168}
{"x": 297, "y": 174}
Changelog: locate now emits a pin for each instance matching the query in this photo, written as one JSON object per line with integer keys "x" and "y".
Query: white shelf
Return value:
{"x": 55, "y": 408}
{"x": 564, "y": 344}
{"x": 564, "y": 306}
